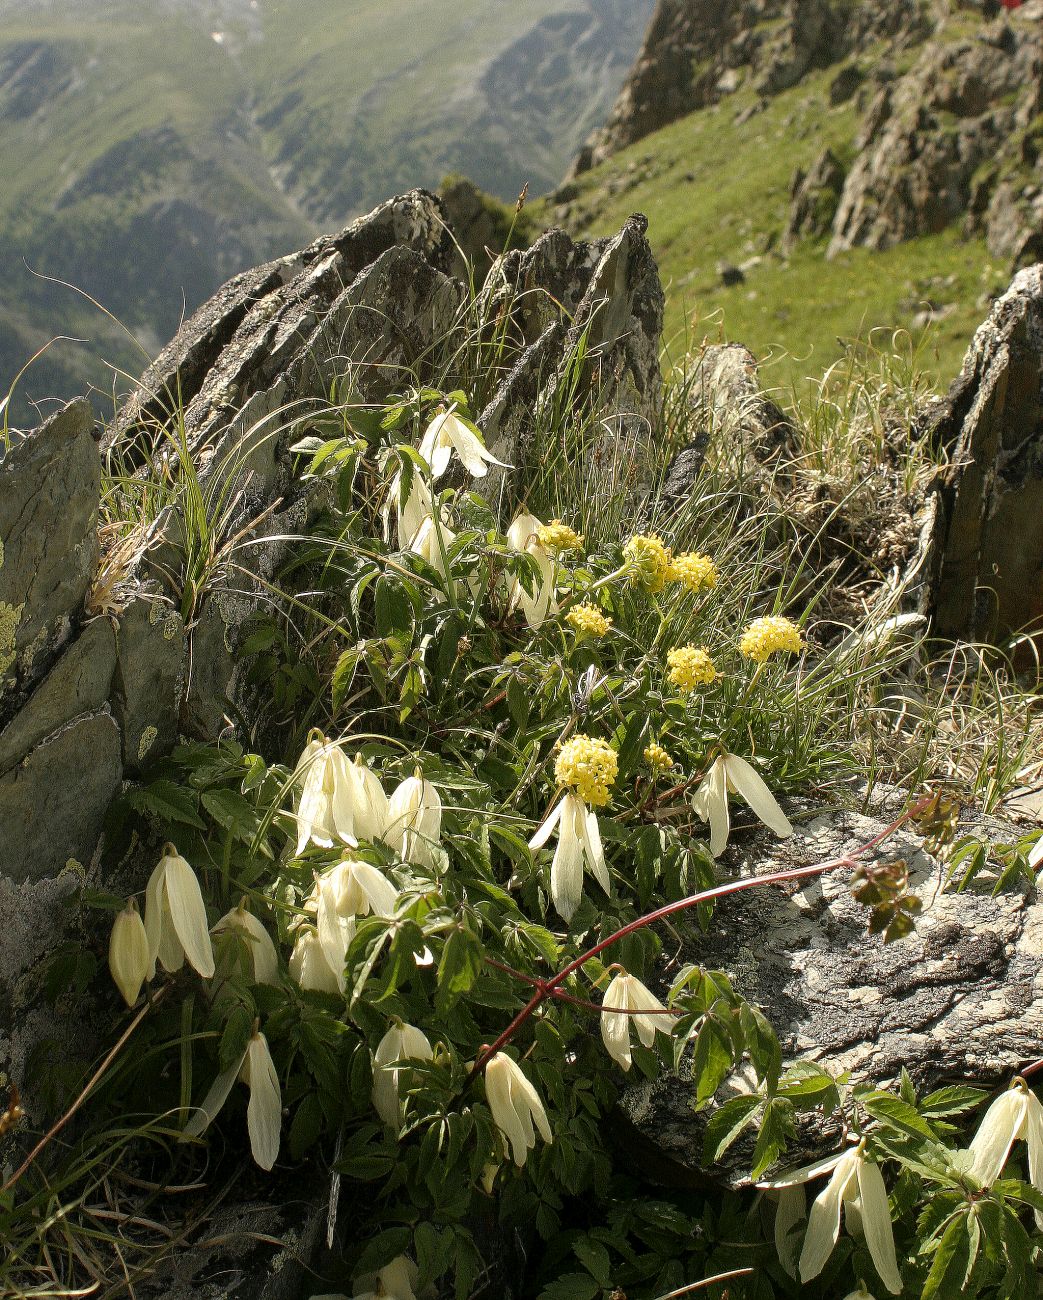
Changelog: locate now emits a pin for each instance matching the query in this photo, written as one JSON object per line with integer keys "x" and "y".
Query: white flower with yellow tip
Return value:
{"x": 264, "y": 960}
{"x": 856, "y": 1187}
{"x": 1016, "y": 1114}
{"x": 579, "y": 846}
{"x": 730, "y": 774}
{"x": 309, "y": 966}
{"x": 129, "y": 953}
{"x": 515, "y": 1106}
{"x": 400, "y": 1044}
{"x": 414, "y": 821}
{"x": 326, "y": 811}
{"x": 395, "y": 1281}
{"x": 256, "y": 1069}
{"x": 175, "y": 918}
{"x": 524, "y": 536}
{"x": 448, "y": 433}
{"x": 626, "y": 998}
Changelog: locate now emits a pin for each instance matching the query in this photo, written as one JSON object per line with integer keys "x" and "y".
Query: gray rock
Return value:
{"x": 50, "y": 484}
{"x": 959, "y": 1000}
{"x": 990, "y": 544}
{"x": 814, "y": 197}
{"x": 79, "y": 682}
{"x": 150, "y": 667}
{"x": 53, "y": 804}
{"x": 727, "y": 396}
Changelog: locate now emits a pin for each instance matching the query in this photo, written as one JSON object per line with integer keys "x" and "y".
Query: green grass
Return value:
{"x": 716, "y": 191}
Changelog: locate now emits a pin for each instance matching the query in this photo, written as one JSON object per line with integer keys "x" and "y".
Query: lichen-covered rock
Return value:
{"x": 990, "y": 544}
{"x": 959, "y": 1000}
{"x": 53, "y": 803}
{"x": 150, "y": 667}
{"x": 50, "y": 484}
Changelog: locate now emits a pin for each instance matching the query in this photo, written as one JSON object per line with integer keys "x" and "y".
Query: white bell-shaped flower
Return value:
{"x": 856, "y": 1186}
{"x": 395, "y": 1281}
{"x": 731, "y": 774}
{"x": 264, "y": 959}
{"x": 129, "y": 959}
{"x": 415, "y": 820}
{"x": 432, "y": 543}
{"x": 175, "y": 918}
{"x": 402, "y": 1042}
{"x": 523, "y": 536}
{"x": 358, "y": 888}
{"x": 625, "y": 999}
{"x": 410, "y": 512}
{"x": 256, "y": 1069}
{"x": 448, "y": 433}
{"x": 515, "y": 1106}
{"x": 371, "y": 803}
{"x": 1016, "y": 1114}
{"x": 326, "y": 811}
{"x": 579, "y": 845}
{"x": 309, "y": 966}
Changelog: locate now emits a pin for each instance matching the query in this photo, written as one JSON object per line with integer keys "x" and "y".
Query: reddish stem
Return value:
{"x": 548, "y": 988}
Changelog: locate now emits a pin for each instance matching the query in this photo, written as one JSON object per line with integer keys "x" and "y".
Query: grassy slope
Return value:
{"x": 714, "y": 190}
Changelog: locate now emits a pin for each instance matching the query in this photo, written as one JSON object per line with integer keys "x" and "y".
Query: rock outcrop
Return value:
{"x": 990, "y": 547}
{"x": 957, "y": 1001}
{"x": 697, "y": 51}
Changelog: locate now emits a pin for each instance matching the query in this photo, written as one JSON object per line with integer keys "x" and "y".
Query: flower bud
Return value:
{"x": 128, "y": 953}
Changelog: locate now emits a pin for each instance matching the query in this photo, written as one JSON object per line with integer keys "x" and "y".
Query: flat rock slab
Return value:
{"x": 959, "y": 1000}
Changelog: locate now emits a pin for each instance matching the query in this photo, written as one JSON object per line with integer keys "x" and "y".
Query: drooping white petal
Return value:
{"x": 805, "y": 1174}
{"x": 342, "y": 796}
{"x": 824, "y": 1219}
{"x": 401, "y": 1042}
{"x": 595, "y": 852}
{"x": 311, "y": 808}
{"x": 188, "y": 915}
{"x": 335, "y": 932}
{"x": 1003, "y": 1123}
{"x": 371, "y": 803}
{"x": 546, "y": 829}
{"x": 264, "y": 1110}
{"x": 876, "y": 1224}
{"x": 566, "y": 868}
{"x": 514, "y": 1104}
{"x": 1035, "y": 855}
{"x": 209, "y": 1108}
{"x": 744, "y": 780}
{"x": 263, "y": 956}
{"x": 711, "y": 804}
{"x": 415, "y": 820}
{"x": 309, "y": 966}
{"x": 1034, "y": 1142}
{"x": 615, "y": 1032}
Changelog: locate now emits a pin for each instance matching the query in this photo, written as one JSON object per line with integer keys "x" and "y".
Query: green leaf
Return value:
{"x": 898, "y": 1114}
{"x": 365, "y": 1169}
{"x": 233, "y": 814}
{"x": 776, "y": 1130}
{"x": 235, "y": 1036}
{"x": 518, "y": 702}
{"x": 952, "y": 1101}
{"x": 593, "y": 1256}
{"x": 571, "y": 1286}
{"x": 383, "y": 1248}
{"x": 952, "y": 1263}
{"x": 728, "y": 1123}
{"x": 344, "y": 673}
{"x": 460, "y": 966}
{"x": 306, "y": 1126}
{"x": 711, "y": 1059}
{"x": 172, "y": 803}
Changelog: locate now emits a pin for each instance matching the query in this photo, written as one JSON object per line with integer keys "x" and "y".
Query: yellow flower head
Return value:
{"x": 767, "y": 636}
{"x": 648, "y": 560}
{"x": 589, "y": 766}
{"x": 697, "y": 571}
{"x": 557, "y": 536}
{"x": 657, "y": 758}
{"x": 690, "y": 666}
{"x": 588, "y": 619}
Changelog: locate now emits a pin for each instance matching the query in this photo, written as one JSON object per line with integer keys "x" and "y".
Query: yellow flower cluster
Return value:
{"x": 690, "y": 666}
{"x": 657, "y": 757}
{"x": 648, "y": 560}
{"x": 767, "y": 636}
{"x": 695, "y": 570}
{"x": 588, "y": 619}
{"x": 589, "y": 766}
{"x": 557, "y": 536}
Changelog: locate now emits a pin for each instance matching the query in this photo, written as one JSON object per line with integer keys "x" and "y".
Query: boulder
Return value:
{"x": 961, "y": 999}
{"x": 989, "y": 578}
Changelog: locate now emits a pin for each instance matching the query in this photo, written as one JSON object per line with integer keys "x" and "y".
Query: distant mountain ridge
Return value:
{"x": 152, "y": 151}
